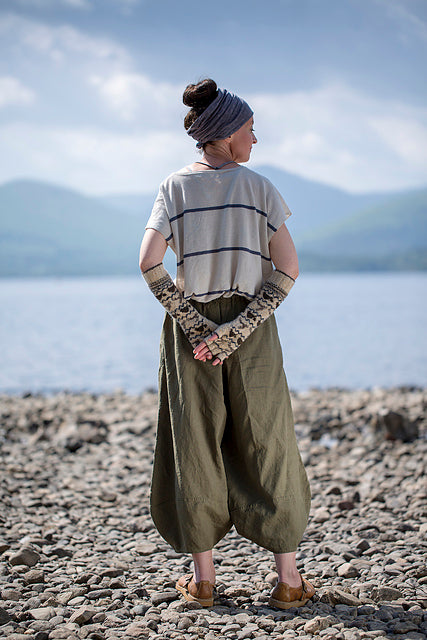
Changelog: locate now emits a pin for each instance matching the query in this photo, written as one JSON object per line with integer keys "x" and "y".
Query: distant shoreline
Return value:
{"x": 119, "y": 392}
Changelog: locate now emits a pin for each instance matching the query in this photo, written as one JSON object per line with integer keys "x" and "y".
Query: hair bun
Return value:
{"x": 200, "y": 95}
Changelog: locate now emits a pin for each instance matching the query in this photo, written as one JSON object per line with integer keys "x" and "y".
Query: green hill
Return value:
{"x": 50, "y": 230}
{"x": 389, "y": 235}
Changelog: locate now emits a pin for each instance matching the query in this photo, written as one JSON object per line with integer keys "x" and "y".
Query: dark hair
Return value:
{"x": 198, "y": 97}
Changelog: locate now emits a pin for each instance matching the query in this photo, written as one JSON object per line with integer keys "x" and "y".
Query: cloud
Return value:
{"x": 408, "y": 23}
{"x": 13, "y": 92}
{"x": 342, "y": 137}
{"x": 90, "y": 159}
{"x": 59, "y": 43}
{"x": 134, "y": 97}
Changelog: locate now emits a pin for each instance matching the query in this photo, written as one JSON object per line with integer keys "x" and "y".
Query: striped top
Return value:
{"x": 219, "y": 224}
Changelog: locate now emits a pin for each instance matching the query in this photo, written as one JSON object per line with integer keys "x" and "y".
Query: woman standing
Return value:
{"x": 226, "y": 452}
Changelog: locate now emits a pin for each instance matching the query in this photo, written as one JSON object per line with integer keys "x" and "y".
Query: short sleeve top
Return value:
{"x": 219, "y": 224}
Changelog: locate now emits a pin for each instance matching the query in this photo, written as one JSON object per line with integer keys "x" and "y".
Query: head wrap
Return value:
{"x": 223, "y": 117}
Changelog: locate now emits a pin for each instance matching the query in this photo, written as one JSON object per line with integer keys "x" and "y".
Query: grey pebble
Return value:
{"x": 26, "y": 555}
{"x": 163, "y": 596}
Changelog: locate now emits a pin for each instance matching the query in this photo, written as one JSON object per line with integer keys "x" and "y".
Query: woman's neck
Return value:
{"x": 216, "y": 161}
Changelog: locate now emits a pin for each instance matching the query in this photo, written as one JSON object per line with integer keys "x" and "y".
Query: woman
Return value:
{"x": 226, "y": 452}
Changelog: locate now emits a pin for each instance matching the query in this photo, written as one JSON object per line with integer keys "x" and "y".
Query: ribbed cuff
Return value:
{"x": 153, "y": 274}
{"x": 281, "y": 280}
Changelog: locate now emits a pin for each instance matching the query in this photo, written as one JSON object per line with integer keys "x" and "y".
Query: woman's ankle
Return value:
{"x": 205, "y": 575}
{"x": 292, "y": 578}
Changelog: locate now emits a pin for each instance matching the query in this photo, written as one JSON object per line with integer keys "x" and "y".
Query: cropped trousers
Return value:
{"x": 226, "y": 452}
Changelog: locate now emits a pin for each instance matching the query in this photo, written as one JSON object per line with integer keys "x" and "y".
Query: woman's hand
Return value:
{"x": 202, "y": 352}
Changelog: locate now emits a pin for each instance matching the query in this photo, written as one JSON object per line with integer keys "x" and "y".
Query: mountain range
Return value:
{"x": 50, "y": 230}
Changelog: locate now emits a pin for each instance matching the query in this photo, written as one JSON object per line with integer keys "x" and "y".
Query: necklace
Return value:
{"x": 216, "y": 168}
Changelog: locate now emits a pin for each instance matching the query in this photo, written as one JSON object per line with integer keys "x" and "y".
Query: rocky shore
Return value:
{"x": 80, "y": 557}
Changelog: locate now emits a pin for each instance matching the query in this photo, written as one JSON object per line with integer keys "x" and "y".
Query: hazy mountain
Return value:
{"x": 314, "y": 204}
{"x": 46, "y": 229}
{"x": 139, "y": 204}
{"x": 392, "y": 234}
{"x": 50, "y": 230}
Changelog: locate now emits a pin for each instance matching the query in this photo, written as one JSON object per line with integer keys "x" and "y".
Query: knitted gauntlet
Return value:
{"x": 232, "y": 334}
{"x": 195, "y": 326}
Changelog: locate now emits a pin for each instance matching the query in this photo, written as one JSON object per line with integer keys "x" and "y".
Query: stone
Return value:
{"x": 83, "y": 615}
{"x": 146, "y": 548}
{"x": 317, "y": 624}
{"x": 164, "y": 596}
{"x": 184, "y": 623}
{"x": 385, "y": 593}
{"x": 347, "y": 570}
{"x": 137, "y": 630}
{"x": 4, "y": 546}
{"x": 42, "y": 613}
{"x": 97, "y": 594}
{"x": 4, "y": 616}
{"x": 394, "y": 426}
{"x": 33, "y": 576}
{"x": 26, "y": 555}
{"x": 338, "y": 596}
{"x": 11, "y": 594}
{"x": 321, "y": 515}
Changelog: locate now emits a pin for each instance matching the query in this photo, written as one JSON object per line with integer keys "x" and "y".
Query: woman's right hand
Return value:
{"x": 202, "y": 351}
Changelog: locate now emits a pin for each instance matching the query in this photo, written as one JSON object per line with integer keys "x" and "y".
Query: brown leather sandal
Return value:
{"x": 284, "y": 597}
{"x": 202, "y": 592}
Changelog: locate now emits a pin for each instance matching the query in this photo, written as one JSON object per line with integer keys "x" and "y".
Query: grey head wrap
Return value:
{"x": 223, "y": 117}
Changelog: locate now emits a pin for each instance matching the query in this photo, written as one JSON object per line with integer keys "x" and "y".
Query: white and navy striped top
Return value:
{"x": 219, "y": 224}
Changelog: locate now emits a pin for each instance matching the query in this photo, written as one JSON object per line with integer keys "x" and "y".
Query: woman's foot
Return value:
{"x": 284, "y": 596}
{"x": 201, "y": 592}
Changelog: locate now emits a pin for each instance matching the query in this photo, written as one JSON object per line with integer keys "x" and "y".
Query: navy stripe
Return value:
{"x": 201, "y": 253}
{"x": 169, "y": 237}
{"x": 271, "y": 227}
{"x": 222, "y": 206}
{"x": 208, "y": 293}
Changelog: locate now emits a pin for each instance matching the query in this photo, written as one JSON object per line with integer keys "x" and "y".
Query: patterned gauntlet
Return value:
{"x": 195, "y": 326}
{"x": 232, "y": 334}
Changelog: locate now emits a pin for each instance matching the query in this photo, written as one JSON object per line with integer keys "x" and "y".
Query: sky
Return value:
{"x": 91, "y": 90}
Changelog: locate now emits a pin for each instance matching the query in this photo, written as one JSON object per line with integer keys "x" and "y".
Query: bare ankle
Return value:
{"x": 200, "y": 577}
{"x": 292, "y": 578}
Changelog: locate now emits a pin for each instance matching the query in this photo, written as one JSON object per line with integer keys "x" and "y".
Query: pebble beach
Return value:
{"x": 80, "y": 556}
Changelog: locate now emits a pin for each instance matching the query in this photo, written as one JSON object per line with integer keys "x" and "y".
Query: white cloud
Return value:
{"x": 60, "y": 43}
{"x": 407, "y": 138}
{"x": 342, "y": 137}
{"x": 13, "y": 92}
{"x": 408, "y": 23}
{"x": 136, "y": 98}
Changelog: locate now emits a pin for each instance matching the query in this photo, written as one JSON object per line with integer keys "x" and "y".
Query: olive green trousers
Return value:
{"x": 226, "y": 452}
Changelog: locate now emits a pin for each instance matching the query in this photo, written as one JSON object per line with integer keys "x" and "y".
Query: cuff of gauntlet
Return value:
{"x": 282, "y": 281}
{"x": 153, "y": 274}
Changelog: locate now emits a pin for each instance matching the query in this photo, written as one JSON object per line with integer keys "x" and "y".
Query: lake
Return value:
{"x": 100, "y": 334}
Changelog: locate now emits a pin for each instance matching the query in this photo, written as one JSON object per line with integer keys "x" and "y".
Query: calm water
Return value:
{"x": 100, "y": 334}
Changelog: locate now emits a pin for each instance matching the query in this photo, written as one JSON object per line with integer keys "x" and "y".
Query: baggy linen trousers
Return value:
{"x": 226, "y": 452}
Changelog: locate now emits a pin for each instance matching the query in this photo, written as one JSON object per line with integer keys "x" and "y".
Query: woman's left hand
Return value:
{"x": 202, "y": 352}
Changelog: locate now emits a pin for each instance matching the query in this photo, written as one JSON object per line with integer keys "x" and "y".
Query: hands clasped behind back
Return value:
{"x": 228, "y": 337}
